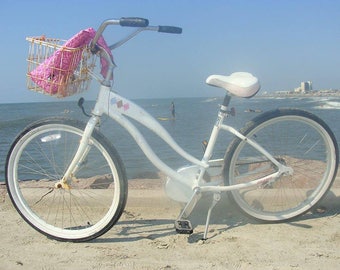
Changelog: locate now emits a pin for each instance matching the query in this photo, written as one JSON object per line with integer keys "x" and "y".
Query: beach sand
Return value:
{"x": 145, "y": 238}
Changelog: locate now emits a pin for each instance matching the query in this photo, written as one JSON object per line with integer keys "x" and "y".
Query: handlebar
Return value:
{"x": 170, "y": 29}
{"x": 141, "y": 23}
{"x": 134, "y": 22}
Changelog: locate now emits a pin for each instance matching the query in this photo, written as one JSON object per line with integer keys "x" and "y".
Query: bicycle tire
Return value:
{"x": 97, "y": 196}
{"x": 297, "y": 139}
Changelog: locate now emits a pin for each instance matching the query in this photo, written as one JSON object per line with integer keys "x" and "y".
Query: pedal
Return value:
{"x": 183, "y": 227}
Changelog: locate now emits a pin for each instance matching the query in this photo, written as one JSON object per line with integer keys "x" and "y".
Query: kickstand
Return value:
{"x": 216, "y": 199}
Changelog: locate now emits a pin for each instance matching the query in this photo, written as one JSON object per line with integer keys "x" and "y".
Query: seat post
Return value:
{"x": 225, "y": 104}
{"x": 226, "y": 100}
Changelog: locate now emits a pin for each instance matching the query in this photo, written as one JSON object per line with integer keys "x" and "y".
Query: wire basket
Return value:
{"x": 56, "y": 70}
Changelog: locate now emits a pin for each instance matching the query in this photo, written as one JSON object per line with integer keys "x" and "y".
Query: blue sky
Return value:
{"x": 280, "y": 42}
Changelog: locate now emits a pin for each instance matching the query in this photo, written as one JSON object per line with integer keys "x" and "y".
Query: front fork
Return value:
{"x": 82, "y": 151}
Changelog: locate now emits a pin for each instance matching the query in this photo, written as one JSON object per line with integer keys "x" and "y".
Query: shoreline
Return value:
{"x": 315, "y": 94}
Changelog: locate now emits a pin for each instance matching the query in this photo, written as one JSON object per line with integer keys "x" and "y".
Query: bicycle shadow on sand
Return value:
{"x": 227, "y": 214}
{"x": 224, "y": 217}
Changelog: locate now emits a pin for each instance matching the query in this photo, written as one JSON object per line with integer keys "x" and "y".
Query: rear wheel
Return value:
{"x": 96, "y": 196}
{"x": 296, "y": 139}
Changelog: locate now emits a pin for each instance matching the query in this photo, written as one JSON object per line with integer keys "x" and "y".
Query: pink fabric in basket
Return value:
{"x": 54, "y": 70}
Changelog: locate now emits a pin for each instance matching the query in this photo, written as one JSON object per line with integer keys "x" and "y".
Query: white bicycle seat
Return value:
{"x": 241, "y": 84}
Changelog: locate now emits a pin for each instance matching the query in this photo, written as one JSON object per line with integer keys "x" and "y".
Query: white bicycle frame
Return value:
{"x": 121, "y": 109}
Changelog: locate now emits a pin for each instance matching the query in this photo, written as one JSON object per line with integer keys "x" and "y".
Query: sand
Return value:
{"x": 145, "y": 238}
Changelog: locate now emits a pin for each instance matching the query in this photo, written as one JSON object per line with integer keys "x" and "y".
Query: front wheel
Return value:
{"x": 295, "y": 138}
{"x": 96, "y": 195}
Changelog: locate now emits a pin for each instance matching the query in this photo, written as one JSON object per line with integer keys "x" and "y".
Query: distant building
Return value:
{"x": 304, "y": 87}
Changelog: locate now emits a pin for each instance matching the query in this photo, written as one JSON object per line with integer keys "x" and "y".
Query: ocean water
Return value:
{"x": 194, "y": 120}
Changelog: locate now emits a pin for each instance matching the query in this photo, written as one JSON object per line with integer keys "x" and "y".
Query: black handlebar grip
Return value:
{"x": 134, "y": 22}
{"x": 170, "y": 29}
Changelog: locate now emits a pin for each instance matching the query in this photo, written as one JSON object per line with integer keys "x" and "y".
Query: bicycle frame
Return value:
{"x": 121, "y": 109}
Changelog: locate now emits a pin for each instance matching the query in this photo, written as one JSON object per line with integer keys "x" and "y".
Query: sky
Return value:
{"x": 281, "y": 42}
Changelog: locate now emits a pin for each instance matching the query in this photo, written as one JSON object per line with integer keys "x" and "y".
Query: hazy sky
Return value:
{"x": 280, "y": 42}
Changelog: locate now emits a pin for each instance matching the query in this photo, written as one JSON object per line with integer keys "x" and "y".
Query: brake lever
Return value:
{"x": 81, "y": 106}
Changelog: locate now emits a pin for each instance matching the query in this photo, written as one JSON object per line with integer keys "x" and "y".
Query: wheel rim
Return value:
{"x": 295, "y": 195}
{"x": 64, "y": 214}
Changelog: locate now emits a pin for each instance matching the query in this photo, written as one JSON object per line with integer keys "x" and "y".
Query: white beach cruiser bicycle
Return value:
{"x": 68, "y": 182}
